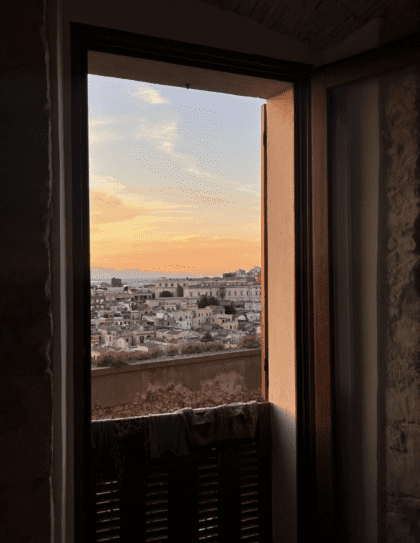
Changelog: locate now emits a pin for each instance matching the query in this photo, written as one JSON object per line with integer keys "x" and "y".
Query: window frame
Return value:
{"x": 86, "y": 38}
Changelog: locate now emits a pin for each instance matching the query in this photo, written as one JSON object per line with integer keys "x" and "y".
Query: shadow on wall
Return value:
{"x": 283, "y": 429}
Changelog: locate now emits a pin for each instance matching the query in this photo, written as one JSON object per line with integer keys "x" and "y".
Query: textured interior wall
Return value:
{"x": 399, "y": 307}
{"x": 354, "y": 144}
{"x": 25, "y": 302}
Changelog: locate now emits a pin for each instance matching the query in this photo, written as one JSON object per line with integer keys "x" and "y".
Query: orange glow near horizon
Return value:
{"x": 127, "y": 234}
{"x": 138, "y": 242}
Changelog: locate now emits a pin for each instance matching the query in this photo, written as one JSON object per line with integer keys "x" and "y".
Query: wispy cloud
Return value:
{"x": 199, "y": 172}
{"x": 149, "y": 95}
{"x": 107, "y": 208}
{"x": 163, "y": 135}
{"x": 105, "y": 183}
{"x": 107, "y": 129}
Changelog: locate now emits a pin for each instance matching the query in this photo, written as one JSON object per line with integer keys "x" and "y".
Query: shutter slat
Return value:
{"x": 105, "y": 504}
{"x": 154, "y": 537}
{"x": 156, "y": 529}
{"x": 156, "y": 502}
{"x": 208, "y": 492}
{"x": 109, "y": 527}
{"x": 160, "y": 523}
{"x": 106, "y": 518}
{"x": 156, "y": 510}
{"x": 106, "y": 512}
{"x": 202, "y": 534}
{"x": 209, "y": 511}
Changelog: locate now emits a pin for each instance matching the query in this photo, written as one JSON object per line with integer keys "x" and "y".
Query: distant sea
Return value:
{"x": 106, "y": 274}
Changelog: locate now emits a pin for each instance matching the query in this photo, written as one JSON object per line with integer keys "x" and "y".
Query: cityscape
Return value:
{"x": 133, "y": 320}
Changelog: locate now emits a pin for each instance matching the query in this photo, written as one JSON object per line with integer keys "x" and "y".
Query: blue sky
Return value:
{"x": 175, "y": 178}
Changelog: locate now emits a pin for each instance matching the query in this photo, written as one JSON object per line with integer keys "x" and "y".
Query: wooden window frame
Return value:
{"x": 86, "y": 38}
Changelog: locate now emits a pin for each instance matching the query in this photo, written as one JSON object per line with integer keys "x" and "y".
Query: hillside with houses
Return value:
{"x": 174, "y": 317}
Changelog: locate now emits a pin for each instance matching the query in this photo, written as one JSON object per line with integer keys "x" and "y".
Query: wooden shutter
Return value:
{"x": 219, "y": 493}
{"x": 280, "y": 290}
{"x": 264, "y": 245}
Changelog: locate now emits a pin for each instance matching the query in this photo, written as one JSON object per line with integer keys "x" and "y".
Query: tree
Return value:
{"x": 222, "y": 293}
{"x": 207, "y": 337}
{"x": 202, "y": 302}
{"x": 166, "y": 294}
{"x": 179, "y": 291}
{"x": 230, "y": 309}
{"x": 249, "y": 342}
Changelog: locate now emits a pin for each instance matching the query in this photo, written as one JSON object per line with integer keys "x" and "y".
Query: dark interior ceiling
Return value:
{"x": 316, "y": 23}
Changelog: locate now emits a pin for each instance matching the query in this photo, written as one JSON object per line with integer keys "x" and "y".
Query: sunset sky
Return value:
{"x": 175, "y": 178}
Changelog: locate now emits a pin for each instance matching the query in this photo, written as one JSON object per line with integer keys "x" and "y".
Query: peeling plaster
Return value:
{"x": 223, "y": 389}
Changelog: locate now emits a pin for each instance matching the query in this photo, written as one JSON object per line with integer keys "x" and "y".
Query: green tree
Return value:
{"x": 222, "y": 293}
{"x": 166, "y": 294}
{"x": 249, "y": 342}
{"x": 202, "y": 302}
{"x": 230, "y": 309}
{"x": 179, "y": 291}
{"x": 207, "y": 337}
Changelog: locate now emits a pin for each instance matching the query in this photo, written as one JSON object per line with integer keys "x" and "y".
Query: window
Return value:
{"x": 264, "y": 70}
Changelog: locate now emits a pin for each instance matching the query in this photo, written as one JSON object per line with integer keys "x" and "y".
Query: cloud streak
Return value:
{"x": 149, "y": 95}
{"x": 108, "y": 208}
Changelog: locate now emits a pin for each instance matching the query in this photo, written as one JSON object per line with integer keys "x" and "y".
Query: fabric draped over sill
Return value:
{"x": 125, "y": 447}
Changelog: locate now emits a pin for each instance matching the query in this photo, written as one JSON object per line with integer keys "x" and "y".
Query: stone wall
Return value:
{"x": 399, "y": 308}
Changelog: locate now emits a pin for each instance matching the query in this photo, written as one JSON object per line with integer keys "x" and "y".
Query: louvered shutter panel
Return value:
{"x": 157, "y": 503}
{"x": 220, "y": 493}
{"x": 250, "y": 493}
{"x": 208, "y": 494}
{"x": 107, "y": 509}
